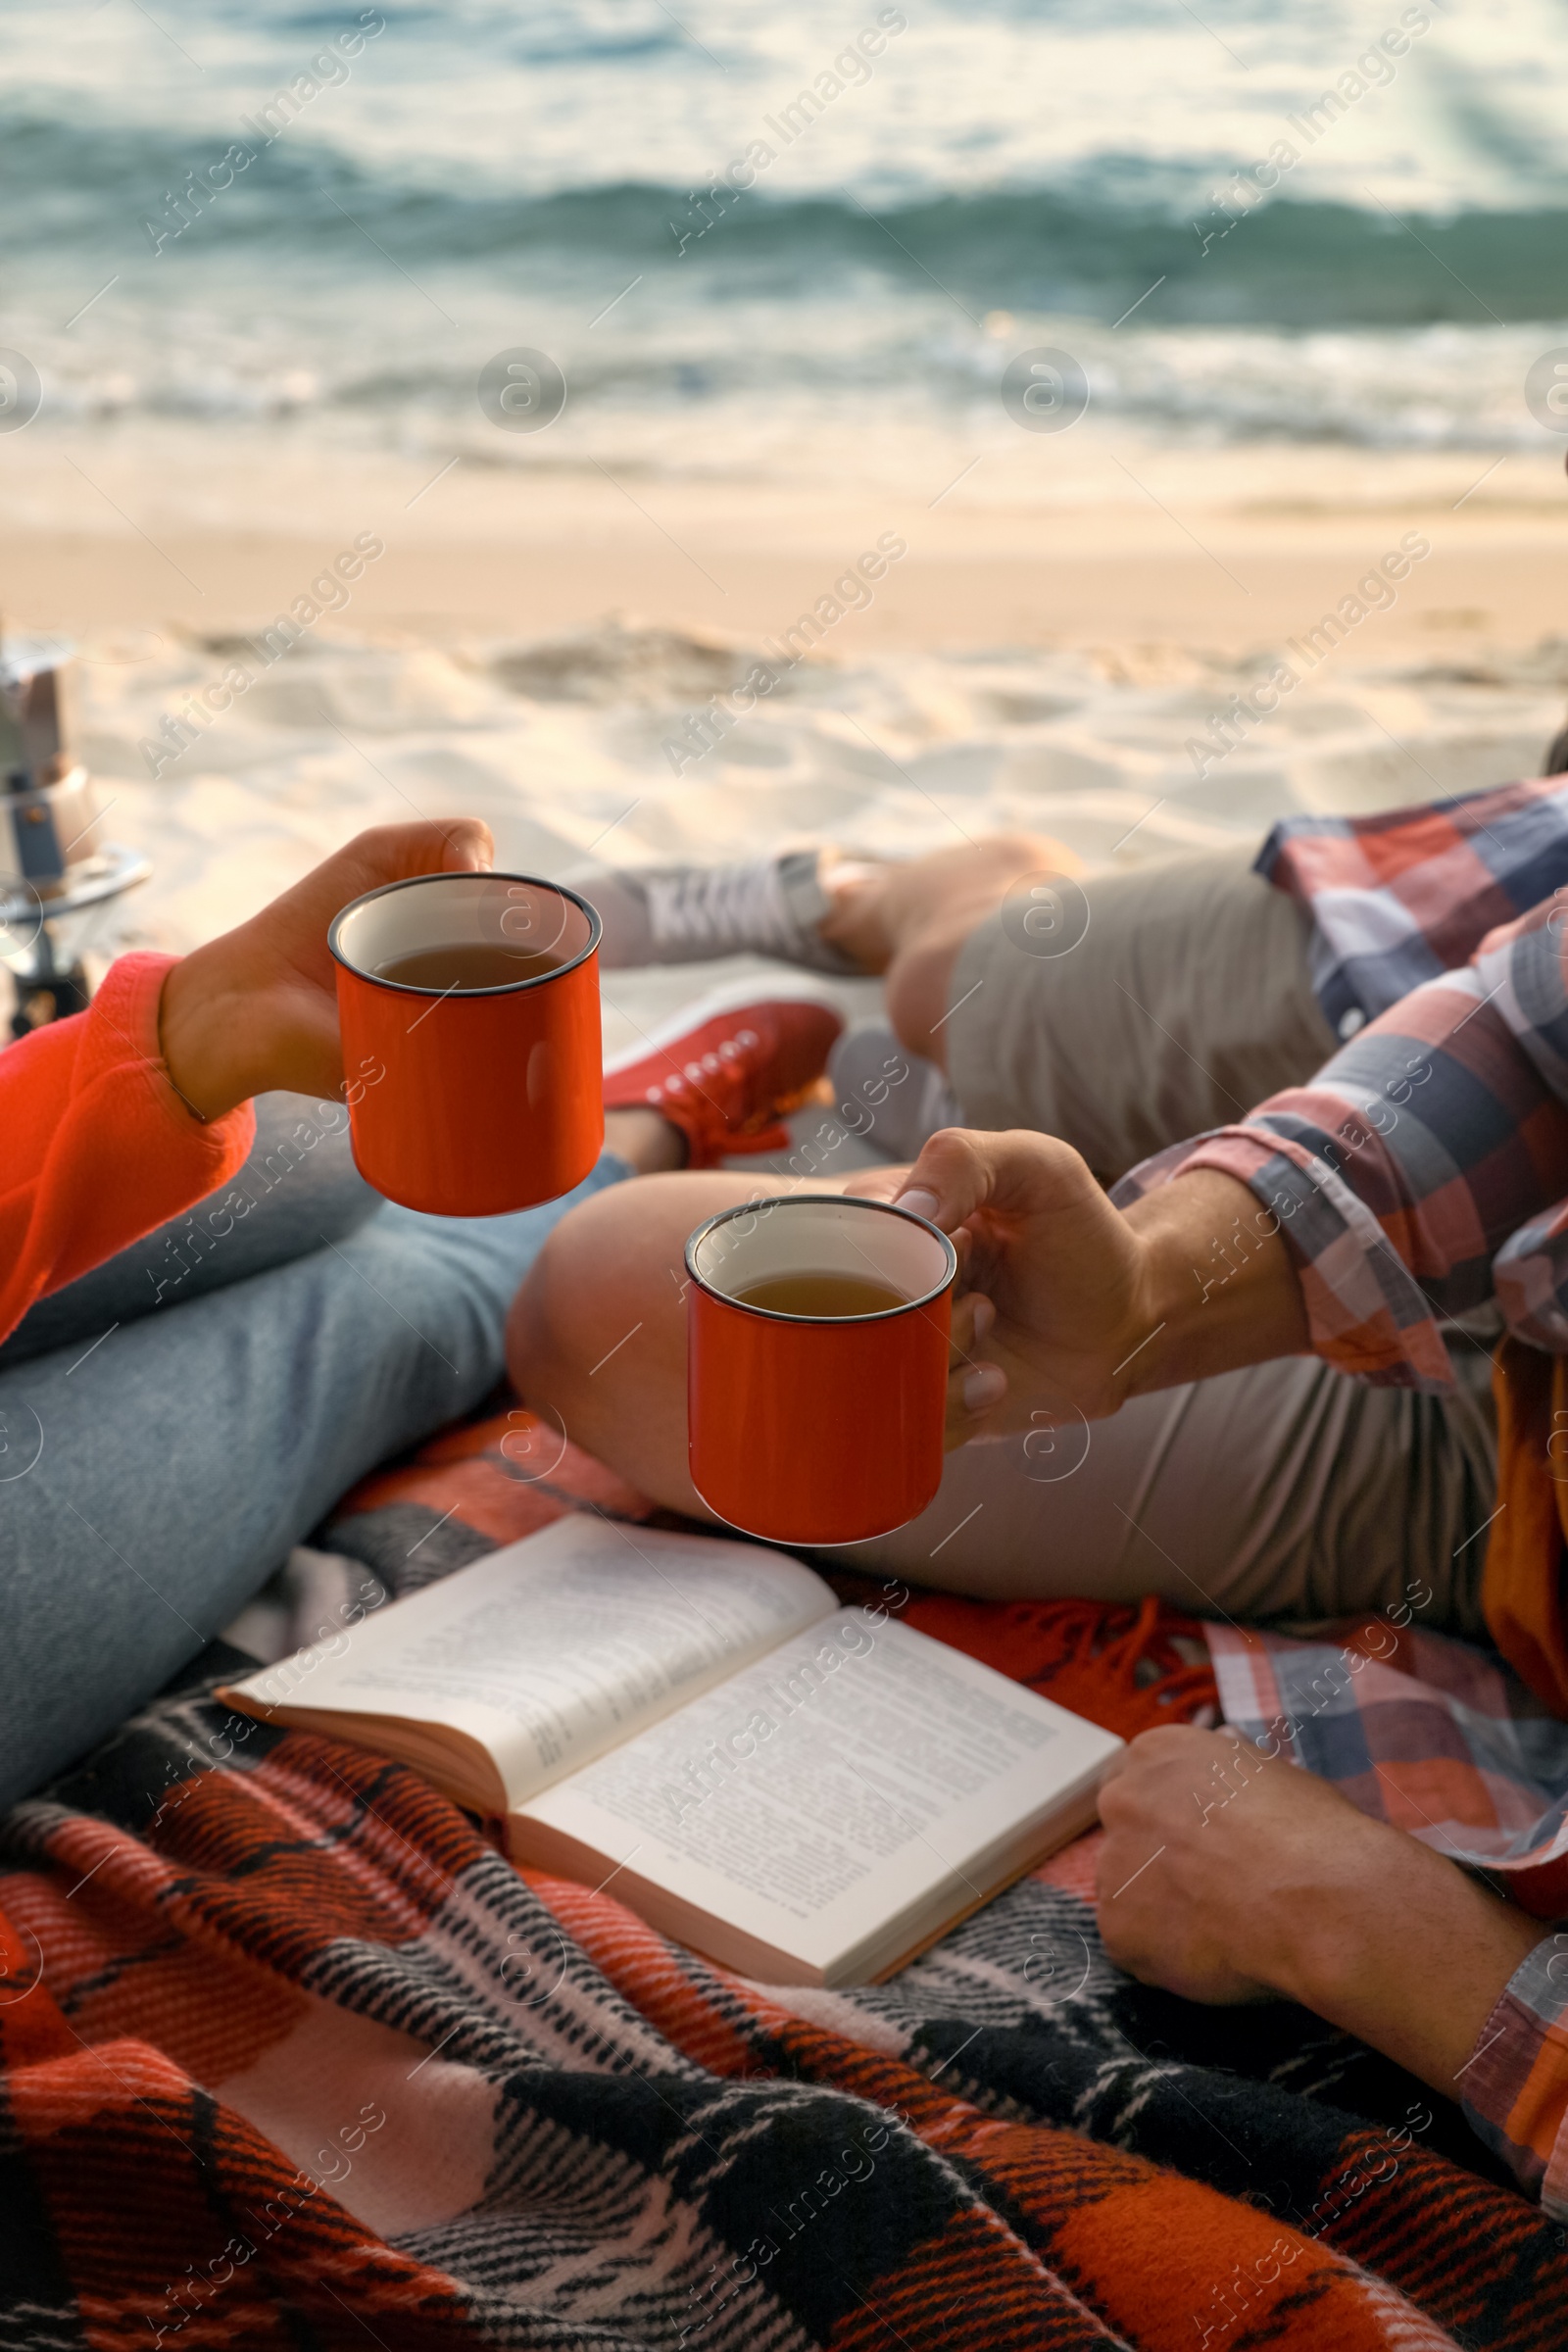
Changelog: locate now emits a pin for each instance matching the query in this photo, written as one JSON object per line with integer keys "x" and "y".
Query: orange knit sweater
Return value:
{"x": 96, "y": 1148}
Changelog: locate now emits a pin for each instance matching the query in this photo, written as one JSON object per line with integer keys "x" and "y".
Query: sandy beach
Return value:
{"x": 1306, "y": 417}
{"x": 1076, "y": 539}
{"x": 1064, "y": 621}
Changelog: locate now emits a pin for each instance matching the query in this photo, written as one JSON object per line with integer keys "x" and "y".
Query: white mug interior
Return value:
{"x": 833, "y": 1237}
{"x": 519, "y": 918}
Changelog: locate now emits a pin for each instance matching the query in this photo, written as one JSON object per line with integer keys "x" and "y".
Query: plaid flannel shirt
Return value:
{"x": 1423, "y": 1171}
{"x": 1441, "y": 1740}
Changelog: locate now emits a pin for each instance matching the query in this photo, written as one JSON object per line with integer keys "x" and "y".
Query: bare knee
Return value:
{"x": 1014, "y": 853}
{"x": 596, "y": 1334}
{"x": 917, "y": 990}
{"x": 977, "y": 875}
{"x": 591, "y": 1281}
{"x": 550, "y": 1323}
{"x": 946, "y": 897}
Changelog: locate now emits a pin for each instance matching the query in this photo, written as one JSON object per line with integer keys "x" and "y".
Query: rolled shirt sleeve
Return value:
{"x": 1515, "y": 2081}
{"x": 1421, "y": 1172}
{"x": 1424, "y": 1169}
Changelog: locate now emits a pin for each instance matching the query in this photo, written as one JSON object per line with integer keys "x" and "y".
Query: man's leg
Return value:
{"x": 597, "y": 1333}
{"x": 1153, "y": 1005}
{"x": 1284, "y": 1490}
{"x": 149, "y": 1487}
{"x": 909, "y": 922}
{"x": 1281, "y": 1491}
{"x": 1120, "y": 1010}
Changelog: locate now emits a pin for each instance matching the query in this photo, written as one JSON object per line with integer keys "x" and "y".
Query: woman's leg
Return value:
{"x": 298, "y": 1190}
{"x": 149, "y": 1487}
{"x": 1281, "y": 1491}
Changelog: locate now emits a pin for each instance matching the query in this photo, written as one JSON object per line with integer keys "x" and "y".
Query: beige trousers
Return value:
{"x": 1133, "y": 1009}
{"x": 1282, "y": 1491}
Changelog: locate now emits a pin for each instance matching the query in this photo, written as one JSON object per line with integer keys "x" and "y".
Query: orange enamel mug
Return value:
{"x": 817, "y": 1429}
{"x": 469, "y": 1011}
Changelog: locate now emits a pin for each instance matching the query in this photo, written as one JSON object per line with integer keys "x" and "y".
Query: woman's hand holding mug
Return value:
{"x": 257, "y": 1009}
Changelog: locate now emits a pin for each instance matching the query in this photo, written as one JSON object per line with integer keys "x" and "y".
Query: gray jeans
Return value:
{"x": 160, "y": 1455}
{"x": 1285, "y": 1490}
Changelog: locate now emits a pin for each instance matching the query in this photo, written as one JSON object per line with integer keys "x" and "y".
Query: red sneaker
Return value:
{"x": 723, "y": 1070}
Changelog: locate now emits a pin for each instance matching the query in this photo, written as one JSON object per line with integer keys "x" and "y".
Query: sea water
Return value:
{"x": 733, "y": 227}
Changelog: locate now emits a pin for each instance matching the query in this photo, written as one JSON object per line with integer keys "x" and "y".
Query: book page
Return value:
{"x": 552, "y": 1649}
{"x": 857, "y": 1771}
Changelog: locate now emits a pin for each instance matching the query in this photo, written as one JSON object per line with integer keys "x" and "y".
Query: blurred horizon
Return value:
{"x": 993, "y": 177}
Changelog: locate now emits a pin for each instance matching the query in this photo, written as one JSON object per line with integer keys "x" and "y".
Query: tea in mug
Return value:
{"x": 821, "y": 1295}
{"x": 817, "y": 1366}
{"x": 474, "y": 963}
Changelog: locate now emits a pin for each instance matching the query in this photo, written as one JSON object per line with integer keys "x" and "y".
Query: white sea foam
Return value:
{"x": 585, "y": 93}
{"x": 1003, "y": 176}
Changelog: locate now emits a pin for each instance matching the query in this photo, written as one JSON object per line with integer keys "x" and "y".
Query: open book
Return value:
{"x": 807, "y": 1791}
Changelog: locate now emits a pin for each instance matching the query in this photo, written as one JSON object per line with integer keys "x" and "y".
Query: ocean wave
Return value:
{"x": 1288, "y": 262}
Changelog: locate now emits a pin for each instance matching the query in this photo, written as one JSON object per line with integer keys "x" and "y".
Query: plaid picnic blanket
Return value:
{"x": 291, "y": 2057}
